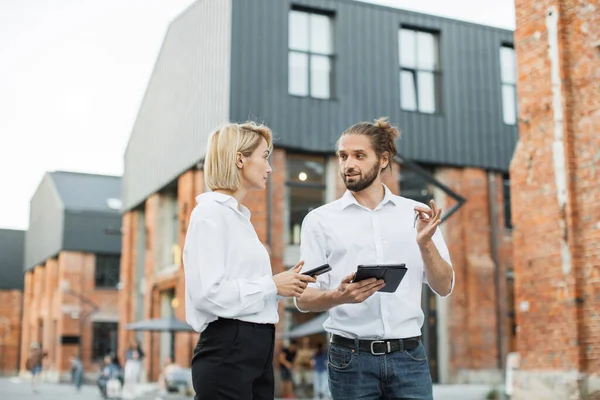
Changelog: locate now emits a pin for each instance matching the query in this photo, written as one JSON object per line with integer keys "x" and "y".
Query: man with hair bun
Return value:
{"x": 376, "y": 350}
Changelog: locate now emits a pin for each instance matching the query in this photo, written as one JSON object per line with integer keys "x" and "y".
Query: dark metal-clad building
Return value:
{"x": 440, "y": 80}
{"x": 309, "y": 69}
{"x": 12, "y": 244}
{"x": 73, "y": 211}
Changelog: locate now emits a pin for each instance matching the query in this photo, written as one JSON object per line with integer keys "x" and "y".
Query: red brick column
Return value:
{"x": 126, "y": 294}
{"x": 70, "y": 267}
{"x": 25, "y": 324}
{"x": 35, "y": 315}
{"x": 49, "y": 339}
{"x": 189, "y": 185}
{"x": 10, "y": 330}
{"x": 152, "y": 204}
{"x": 555, "y": 188}
{"x": 339, "y": 186}
{"x": 277, "y": 249}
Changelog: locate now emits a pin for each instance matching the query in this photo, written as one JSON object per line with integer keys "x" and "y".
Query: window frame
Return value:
{"x": 106, "y": 326}
{"x": 309, "y": 53}
{"x": 504, "y": 83}
{"x": 104, "y": 285}
{"x": 414, "y": 71}
{"x": 289, "y": 183}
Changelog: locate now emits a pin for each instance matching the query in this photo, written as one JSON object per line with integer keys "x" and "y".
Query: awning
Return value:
{"x": 165, "y": 324}
{"x": 308, "y": 328}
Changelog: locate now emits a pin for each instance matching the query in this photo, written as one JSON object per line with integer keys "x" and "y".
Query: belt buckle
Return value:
{"x": 379, "y": 353}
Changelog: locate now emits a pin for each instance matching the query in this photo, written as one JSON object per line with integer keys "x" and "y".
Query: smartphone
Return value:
{"x": 318, "y": 271}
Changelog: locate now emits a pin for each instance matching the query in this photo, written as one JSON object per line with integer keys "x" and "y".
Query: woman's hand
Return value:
{"x": 292, "y": 283}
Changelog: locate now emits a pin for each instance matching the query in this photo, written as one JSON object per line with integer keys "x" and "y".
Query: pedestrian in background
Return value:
{"x": 131, "y": 375}
{"x": 76, "y": 372}
{"x": 134, "y": 345}
{"x": 320, "y": 379}
{"x": 34, "y": 365}
{"x": 287, "y": 358}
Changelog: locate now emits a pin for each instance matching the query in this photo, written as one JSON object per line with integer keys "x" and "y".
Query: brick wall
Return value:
{"x": 49, "y": 312}
{"x": 11, "y": 306}
{"x": 189, "y": 185}
{"x": 277, "y": 249}
{"x": 472, "y": 310}
{"x": 126, "y": 296}
{"x": 149, "y": 263}
{"x": 25, "y": 325}
{"x": 556, "y": 191}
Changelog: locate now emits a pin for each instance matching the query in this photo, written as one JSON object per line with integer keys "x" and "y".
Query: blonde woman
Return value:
{"x": 231, "y": 293}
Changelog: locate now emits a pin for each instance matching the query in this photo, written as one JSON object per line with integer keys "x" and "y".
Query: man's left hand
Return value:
{"x": 428, "y": 220}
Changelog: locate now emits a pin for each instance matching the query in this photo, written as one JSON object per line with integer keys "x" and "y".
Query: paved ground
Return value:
{"x": 18, "y": 389}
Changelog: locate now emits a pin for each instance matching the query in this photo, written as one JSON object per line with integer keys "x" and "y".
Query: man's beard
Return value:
{"x": 361, "y": 181}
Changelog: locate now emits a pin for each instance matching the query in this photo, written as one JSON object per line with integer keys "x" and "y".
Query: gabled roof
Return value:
{"x": 88, "y": 192}
{"x": 12, "y": 248}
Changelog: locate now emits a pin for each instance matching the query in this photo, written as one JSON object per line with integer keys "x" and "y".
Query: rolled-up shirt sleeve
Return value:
{"x": 205, "y": 274}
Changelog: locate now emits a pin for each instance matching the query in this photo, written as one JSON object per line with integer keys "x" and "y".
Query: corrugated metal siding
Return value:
{"x": 187, "y": 97}
{"x": 92, "y": 232}
{"x": 468, "y": 132}
{"x": 79, "y": 227}
{"x": 12, "y": 248}
{"x": 43, "y": 238}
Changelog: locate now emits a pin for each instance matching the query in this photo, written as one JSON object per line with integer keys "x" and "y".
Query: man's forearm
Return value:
{"x": 317, "y": 300}
{"x": 438, "y": 271}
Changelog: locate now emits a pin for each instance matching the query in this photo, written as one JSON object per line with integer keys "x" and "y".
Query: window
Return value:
{"x": 508, "y": 74}
{"x": 413, "y": 186}
{"x": 104, "y": 339}
{"x": 419, "y": 71}
{"x": 306, "y": 190}
{"x": 108, "y": 269}
{"x": 507, "y": 209}
{"x": 310, "y": 54}
{"x": 168, "y": 221}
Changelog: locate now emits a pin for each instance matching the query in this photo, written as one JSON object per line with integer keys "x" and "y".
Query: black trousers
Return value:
{"x": 233, "y": 360}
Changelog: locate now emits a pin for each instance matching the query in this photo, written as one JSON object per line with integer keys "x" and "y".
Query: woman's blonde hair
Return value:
{"x": 220, "y": 169}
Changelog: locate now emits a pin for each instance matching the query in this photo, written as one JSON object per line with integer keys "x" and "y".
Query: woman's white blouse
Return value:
{"x": 227, "y": 269}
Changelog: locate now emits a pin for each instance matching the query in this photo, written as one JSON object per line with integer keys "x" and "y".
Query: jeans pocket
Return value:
{"x": 417, "y": 354}
{"x": 339, "y": 357}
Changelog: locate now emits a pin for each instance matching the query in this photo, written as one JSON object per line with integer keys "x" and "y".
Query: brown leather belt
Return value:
{"x": 378, "y": 347}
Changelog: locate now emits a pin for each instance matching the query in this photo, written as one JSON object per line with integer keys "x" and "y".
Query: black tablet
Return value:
{"x": 392, "y": 274}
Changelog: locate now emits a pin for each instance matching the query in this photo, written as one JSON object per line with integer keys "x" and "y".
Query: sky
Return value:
{"x": 73, "y": 74}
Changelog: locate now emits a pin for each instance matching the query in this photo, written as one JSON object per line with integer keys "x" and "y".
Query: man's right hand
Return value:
{"x": 357, "y": 292}
{"x": 292, "y": 283}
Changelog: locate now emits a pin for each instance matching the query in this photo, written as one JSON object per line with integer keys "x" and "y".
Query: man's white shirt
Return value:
{"x": 345, "y": 234}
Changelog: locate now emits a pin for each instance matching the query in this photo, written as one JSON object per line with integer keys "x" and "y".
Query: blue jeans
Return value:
{"x": 78, "y": 378}
{"x": 355, "y": 374}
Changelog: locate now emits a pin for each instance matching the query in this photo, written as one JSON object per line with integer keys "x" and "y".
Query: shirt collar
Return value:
{"x": 348, "y": 198}
{"x": 227, "y": 200}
